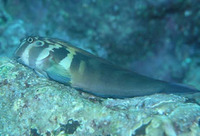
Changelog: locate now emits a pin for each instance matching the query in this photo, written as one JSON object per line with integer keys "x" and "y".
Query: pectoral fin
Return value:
{"x": 59, "y": 74}
{"x": 59, "y": 78}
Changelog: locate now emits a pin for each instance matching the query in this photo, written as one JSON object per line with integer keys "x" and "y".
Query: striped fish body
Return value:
{"x": 64, "y": 63}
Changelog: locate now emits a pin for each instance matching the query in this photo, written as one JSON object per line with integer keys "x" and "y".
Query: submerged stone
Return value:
{"x": 31, "y": 105}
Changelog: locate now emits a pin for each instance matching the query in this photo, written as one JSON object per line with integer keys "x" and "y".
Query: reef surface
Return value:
{"x": 31, "y": 105}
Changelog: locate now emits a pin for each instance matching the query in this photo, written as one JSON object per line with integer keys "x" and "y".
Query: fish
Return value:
{"x": 62, "y": 62}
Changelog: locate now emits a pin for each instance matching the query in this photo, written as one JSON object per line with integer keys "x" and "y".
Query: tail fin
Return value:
{"x": 179, "y": 88}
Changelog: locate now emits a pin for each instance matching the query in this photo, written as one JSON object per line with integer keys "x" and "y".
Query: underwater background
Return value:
{"x": 160, "y": 39}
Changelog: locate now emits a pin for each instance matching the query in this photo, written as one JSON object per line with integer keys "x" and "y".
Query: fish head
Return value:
{"x": 29, "y": 50}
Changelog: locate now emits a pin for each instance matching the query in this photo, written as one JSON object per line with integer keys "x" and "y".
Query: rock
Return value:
{"x": 31, "y": 105}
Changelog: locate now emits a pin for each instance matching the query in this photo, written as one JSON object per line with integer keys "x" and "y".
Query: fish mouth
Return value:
{"x": 18, "y": 59}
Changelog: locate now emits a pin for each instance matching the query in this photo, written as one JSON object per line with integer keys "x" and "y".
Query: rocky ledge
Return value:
{"x": 31, "y": 105}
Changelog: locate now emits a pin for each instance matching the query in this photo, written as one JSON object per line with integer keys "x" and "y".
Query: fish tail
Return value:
{"x": 179, "y": 88}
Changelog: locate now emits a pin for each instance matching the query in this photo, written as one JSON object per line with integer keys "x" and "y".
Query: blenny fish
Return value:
{"x": 67, "y": 64}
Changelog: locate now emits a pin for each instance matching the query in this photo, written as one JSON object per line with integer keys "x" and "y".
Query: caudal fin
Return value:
{"x": 179, "y": 88}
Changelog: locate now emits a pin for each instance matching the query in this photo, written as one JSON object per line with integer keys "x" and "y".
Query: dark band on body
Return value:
{"x": 59, "y": 54}
{"x": 34, "y": 54}
{"x": 75, "y": 64}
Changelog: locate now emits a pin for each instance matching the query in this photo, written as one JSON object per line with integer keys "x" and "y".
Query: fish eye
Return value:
{"x": 30, "y": 40}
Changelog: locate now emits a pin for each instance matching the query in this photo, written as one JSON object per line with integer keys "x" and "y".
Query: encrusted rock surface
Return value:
{"x": 36, "y": 106}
